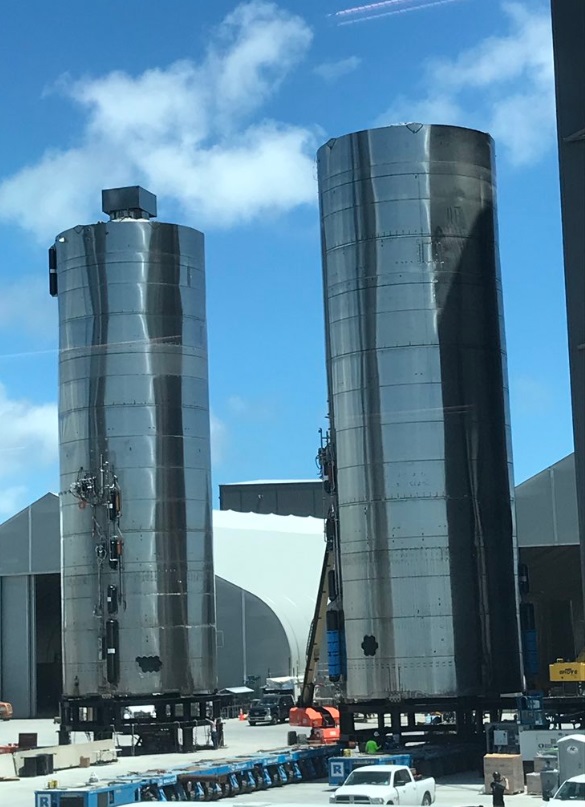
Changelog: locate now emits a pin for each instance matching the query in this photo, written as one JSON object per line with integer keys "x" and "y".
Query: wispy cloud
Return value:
{"x": 219, "y": 436}
{"x": 184, "y": 131}
{"x": 252, "y": 409}
{"x": 25, "y": 304}
{"x": 389, "y": 8}
{"x": 369, "y": 8}
{"x": 504, "y": 84}
{"x": 530, "y": 396}
{"x": 331, "y": 71}
{"x": 238, "y": 405}
{"x": 12, "y": 499}
{"x": 28, "y": 435}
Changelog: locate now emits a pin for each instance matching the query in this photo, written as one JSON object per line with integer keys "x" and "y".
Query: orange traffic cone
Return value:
{"x": 241, "y": 717}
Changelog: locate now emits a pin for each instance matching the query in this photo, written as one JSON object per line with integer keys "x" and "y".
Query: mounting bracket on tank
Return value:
{"x": 326, "y": 463}
{"x": 101, "y": 491}
{"x": 333, "y": 618}
{"x": 85, "y": 488}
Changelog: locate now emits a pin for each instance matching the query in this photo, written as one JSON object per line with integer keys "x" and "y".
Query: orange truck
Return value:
{"x": 322, "y": 720}
{"x": 5, "y": 711}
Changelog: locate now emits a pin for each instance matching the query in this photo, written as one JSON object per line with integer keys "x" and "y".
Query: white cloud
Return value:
{"x": 183, "y": 131}
{"x": 504, "y": 84}
{"x": 218, "y": 439}
{"x": 28, "y": 435}
{"x": 331, "y": 71}
{"x": 263, "y": 44}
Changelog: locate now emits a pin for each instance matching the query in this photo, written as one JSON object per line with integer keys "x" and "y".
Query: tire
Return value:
{"x": 273, "y": 721}
{"x": 292, "y": 738}
{"x": 251, "y": 723}
{"x": 427, "y": 801}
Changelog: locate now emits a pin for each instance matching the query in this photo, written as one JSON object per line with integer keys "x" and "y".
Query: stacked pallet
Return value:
{"x": 509, "y": 766}
{"x": 533, "y": 784}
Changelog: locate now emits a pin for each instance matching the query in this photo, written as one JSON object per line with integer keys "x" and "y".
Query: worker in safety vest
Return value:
{"x": 372, "y": 746}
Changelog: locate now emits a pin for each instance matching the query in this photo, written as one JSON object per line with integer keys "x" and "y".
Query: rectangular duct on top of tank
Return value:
{"x": 132, "y": 202}
{"x": 419, "y": 413}
{"x": 134, "y": 442}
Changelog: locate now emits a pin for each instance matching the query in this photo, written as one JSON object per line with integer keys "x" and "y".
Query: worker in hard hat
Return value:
{"x": 372, "y": 746}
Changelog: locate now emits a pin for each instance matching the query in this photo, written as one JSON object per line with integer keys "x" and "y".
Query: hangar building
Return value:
{"x": 265, "y": 597}
{"x": 264, "y": 609}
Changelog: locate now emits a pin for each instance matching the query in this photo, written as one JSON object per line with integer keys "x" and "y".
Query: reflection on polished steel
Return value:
{"x": 137, "y": 556}
{"x": 568, "y": 24}
{"x": 419, "y": 411}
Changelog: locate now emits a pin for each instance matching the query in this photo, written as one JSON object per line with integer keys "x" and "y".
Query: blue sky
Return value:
{"x": 218, "y": 108}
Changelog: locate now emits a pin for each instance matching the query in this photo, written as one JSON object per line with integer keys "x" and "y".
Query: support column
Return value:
{"x": 346, "y": 724}
{"x": 396, "y": 718}
{"x": 188, "y": 746}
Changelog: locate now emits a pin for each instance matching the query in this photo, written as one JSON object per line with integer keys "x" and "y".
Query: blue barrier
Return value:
{"x": 530, "y": 652}
{"x": 199, "y": 782}
{"x": 334, "y": 653}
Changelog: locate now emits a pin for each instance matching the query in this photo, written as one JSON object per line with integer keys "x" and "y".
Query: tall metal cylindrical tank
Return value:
{"x": 419, "y": 412}
{"x": 137, "y": 555}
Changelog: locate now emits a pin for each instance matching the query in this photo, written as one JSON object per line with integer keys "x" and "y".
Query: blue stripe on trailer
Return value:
{"x": 341, "y": 767}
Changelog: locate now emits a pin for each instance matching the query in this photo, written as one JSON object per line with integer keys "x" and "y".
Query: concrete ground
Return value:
{"x": 463, "y": 790}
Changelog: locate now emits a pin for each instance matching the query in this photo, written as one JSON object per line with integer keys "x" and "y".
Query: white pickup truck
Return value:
{"x": 384, "y": 784}
{"x": 572, "y": 790}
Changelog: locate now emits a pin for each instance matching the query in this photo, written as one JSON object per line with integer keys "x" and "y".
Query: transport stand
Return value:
{"x": 460, "y": 719}
{"x": 565, "y": 709}
{"x": 199, "y": 782}
{"x": 169, "y": 730}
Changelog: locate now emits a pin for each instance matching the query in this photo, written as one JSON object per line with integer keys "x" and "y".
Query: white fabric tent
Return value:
{"x": 279, "y": 560}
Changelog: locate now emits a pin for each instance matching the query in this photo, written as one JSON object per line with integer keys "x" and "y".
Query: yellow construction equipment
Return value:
{"x": 567, "y": 671}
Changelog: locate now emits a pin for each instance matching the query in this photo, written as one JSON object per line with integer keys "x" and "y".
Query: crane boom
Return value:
{"x": 322, "y": 720}
{"x": 316, "y": 633}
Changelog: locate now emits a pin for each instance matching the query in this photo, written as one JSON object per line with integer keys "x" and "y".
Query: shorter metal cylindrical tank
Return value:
{"x": 137, "y": 556}
{"x": 419, "y": 412}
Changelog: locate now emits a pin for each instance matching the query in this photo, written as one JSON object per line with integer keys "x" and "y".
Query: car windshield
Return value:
{"x": 368, "y": 778}
{"x": 268, "y": 701}
{"x": 571, "y": 791}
